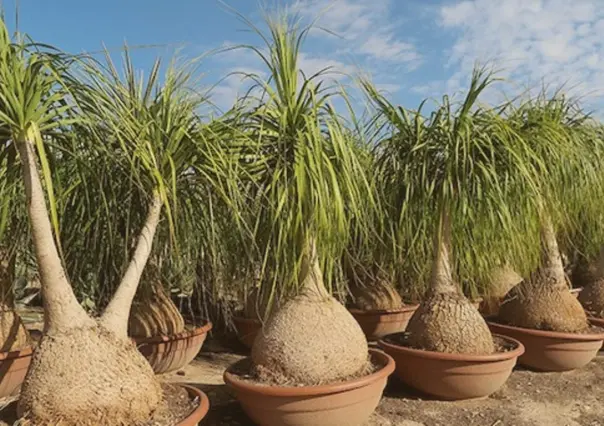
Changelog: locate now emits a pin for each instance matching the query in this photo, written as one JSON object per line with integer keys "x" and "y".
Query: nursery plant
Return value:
{"x": 452, "y": 185}
{"x": 308, "y": 184}
{"x": 86, "y": 370}
{"x": 567, "y": 157}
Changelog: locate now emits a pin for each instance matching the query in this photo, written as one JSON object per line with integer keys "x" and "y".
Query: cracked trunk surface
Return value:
{"x": 445, "y": 320}
{"x": 592, "y": 295}
{"x": 311, "y": 338}
{"x": 544, "y": 301}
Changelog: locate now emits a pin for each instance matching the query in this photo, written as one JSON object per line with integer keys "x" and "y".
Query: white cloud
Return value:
{"x": 366, "y": 27}
{"x": 555, "y": 42}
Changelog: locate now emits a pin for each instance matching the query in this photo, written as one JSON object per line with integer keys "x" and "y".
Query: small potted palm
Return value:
{"x": 310, "y": 363}
{"x": 541, "y": 311}
{"x": 449, "y": 180}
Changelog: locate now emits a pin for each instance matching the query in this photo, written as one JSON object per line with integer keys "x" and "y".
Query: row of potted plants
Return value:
{"x": 309, "y": 208}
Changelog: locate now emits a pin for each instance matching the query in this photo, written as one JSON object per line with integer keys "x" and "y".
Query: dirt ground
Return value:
{"x": 529, "y": 398}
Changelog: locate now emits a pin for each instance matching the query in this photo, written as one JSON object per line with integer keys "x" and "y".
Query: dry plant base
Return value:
{"x": 592, "y": 298}
{"x": 379, "y": 296}
{"x": 88, "y": 376}
{"x": 542, "y": 307}
{"x": 449, "y": 323}
{"x": 310, "y": 339}
{"x": 155, "y": 315}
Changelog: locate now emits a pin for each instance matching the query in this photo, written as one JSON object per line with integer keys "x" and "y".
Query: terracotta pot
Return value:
{"x": 343, "y": 404}
{"x": 247, "y": 329}
{"x": 598, "y": 322}
{"x": 551, "y": 350}
{"x": 169, "y": 353}
{"x": 13, "y": 367}
{"x": 453, "y": 376}
{"x": 377, "y": 324}
{"x": 202, "y": 409}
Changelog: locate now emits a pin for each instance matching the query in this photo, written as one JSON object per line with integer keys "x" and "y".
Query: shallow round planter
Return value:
{"x": 453, "y": 376}
{"x": 551, "y": 350}
{"x": 247, "y": 330}
{"x": 379, "y": 323}
{"x": 342, "y": 404}
{"x": 169, "y": 353}
{"x": 202, "y": 409}
{"x": 598, "y": 322}
{"x": 13, "y": 368}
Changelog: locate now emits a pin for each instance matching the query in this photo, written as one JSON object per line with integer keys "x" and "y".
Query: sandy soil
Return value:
{"x": 529, "y": 398}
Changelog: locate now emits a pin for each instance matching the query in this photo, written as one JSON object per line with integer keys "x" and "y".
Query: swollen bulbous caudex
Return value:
{"x": 311, "y": 339}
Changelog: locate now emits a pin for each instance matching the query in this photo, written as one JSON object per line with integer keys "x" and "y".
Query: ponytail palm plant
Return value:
{"x": 568, "y": 155}
{"x": 86, "y": 370}
{"x": 307, "y": 185}
{"x": 456, "y": 191}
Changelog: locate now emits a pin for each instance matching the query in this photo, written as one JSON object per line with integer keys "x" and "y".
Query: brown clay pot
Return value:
{"x": 247, "y": 329}
{"x": 169, "y": 353}
{"x": 202, "y": 409}
{"x": 598, "y": 322}
{"x": 343, "y": 404}
{"x": 551, "y": 350}
{"x": 453, "y": 376}
{"x": 379, "y": 323}
{"x": 13, "y": 367}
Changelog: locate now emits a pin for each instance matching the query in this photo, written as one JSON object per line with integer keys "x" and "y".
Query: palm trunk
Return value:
{"x": 441, "y": 281}
{"x": 115, "y": 317}
{"x": 552, "y": 265}
{"x": 61, "y": 308}
{"x": 311, "y": 276}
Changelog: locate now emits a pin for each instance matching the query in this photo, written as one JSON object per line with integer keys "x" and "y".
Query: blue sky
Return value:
{"x": 411, "y": 48}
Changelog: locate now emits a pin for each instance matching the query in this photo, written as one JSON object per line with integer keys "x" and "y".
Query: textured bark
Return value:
{"x": 446, "y": 321}
{"x": 310, "y": 339}
{"x": 61, "y": 308}
{"x": 379, "y": 295}
{"x": 88, "y": 376}
{"x": 116, "y": 314}
{"x": 544, "y": 301}
{"x": 503, "y": 279}
{"x": 155, "y": 315}
{"x": 592, "y": 295}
